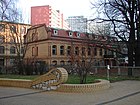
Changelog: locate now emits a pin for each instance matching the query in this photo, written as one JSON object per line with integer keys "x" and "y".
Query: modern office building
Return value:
{"x": 77, "y": 23}
{"x": 49, "y": 16}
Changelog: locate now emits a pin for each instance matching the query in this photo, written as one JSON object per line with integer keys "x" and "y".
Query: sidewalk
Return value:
{"x": 120, "y": 93}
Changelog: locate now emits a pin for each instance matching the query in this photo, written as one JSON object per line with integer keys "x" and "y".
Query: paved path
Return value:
{"x": 120, "y": 93}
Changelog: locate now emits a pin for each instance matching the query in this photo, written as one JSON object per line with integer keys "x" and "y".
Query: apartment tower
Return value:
{"x": 46, "y": 14}
{"x": 77, "y": 23}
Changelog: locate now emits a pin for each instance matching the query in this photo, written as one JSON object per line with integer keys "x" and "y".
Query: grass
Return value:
{"x": 73, "y": 79}
{"x": 12, "y": 76}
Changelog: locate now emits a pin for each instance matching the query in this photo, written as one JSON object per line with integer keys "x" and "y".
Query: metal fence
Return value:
{"x": 115, "y": 70}
{"x": 95, "y": 70}
{"x": 112, "y": 70}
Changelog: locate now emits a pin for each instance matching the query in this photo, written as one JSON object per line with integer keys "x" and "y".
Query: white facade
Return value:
{"x": 77, "y": 23}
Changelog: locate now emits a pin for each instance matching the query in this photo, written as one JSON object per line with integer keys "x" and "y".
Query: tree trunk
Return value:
{"x": 130, "y": 59}
{"x": 137, "y": 54}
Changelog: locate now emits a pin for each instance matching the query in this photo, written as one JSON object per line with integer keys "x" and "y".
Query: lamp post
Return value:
{"x": 108, "y": 68}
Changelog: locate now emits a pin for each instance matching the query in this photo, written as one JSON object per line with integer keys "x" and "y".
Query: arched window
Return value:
{"x": 33, "y": 36}
{"x": 101, "y": 53}
{"x": 89, "y": 51}
{"x": 61, "y": 50}
{"x": 69, "y": 63}
{"x": 2, "y": 49}
{"x": 68, "y": 50}
{"x": 62, "y": 63}
{"x": 54, "y": 63}
{"x": 95, "y": 51}
{"x": 34, "y": 51}
{"x": 77, "y": 51}
{"x": 83, "y": 51}
{"x": 105, "y": 51}
{"x": 54, "y": 50}
{"x": 12, "y": 50}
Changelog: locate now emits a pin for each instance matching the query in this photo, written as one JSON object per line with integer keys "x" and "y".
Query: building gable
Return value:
{"x": 37, "y": 33}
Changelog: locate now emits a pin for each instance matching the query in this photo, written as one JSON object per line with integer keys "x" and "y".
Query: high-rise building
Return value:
{"x": 49, "y": 16}
{"x": 77, "y": 23}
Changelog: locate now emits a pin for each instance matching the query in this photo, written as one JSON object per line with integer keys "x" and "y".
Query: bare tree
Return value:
{"x": 9, "y": 14}
{"x": 20, "y": 45}
{"x": 9, "y": 10}
{"x": 103, "y": 29}
{"x": 125, "y": 18}
{"x": 81, "y": 57}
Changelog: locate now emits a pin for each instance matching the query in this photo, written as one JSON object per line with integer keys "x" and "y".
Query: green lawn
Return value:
{"x": 72, "y": 79}
{"x": 11, "y": 76}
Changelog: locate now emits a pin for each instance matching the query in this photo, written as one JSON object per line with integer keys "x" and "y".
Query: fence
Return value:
{"x": 115, "y": 70}
{"x": 97, "y": 70}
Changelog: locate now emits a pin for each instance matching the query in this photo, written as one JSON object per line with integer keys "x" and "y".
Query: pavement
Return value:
{"x": 120, "y": 93}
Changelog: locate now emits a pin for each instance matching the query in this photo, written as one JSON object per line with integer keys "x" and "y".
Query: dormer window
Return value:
{"x": 104, "y": 37}
{"x": 70, "y": 33}
{"x": 115, "y": 39}
{"x": 78, "y": 35}
{"x": 111, "y": 39}
{"x": 95, "y": 37}
{"x": 55, "y": 32}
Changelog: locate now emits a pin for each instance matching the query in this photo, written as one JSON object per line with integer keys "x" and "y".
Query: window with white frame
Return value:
{"x": 54, "y": 50}
{"x": 70, "y": 34}
{"x": 55, "y": 32}
{"x": 61, "y": 50}
{"x": 95, "y": 37}
{"x": 78, "y": 35}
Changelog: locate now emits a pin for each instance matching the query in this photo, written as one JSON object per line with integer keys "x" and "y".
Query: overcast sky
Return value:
{"x": 67, "y": 7}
